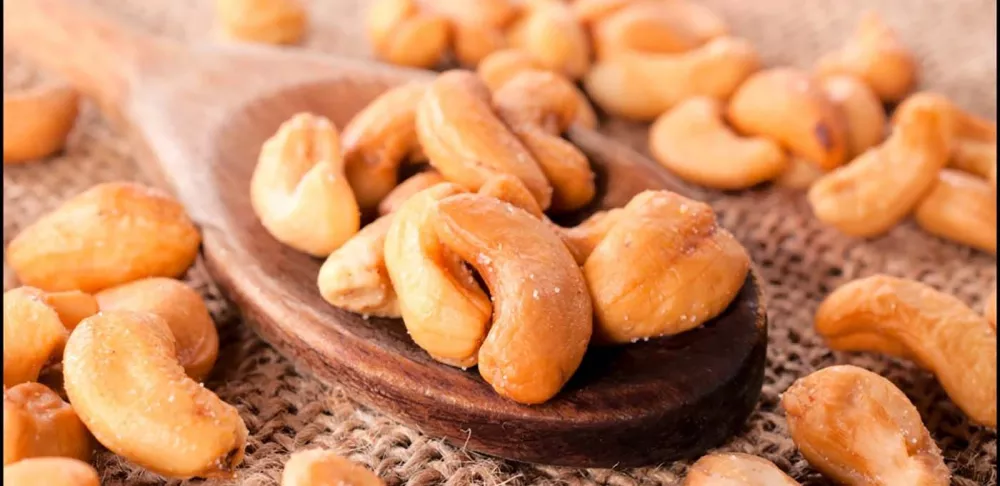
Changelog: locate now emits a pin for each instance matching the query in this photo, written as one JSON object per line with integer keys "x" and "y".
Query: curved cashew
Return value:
{"x": 44, "y": 116}
{"x": 354, "y": 276}
{"x": 124, "y": 381}
{"x": 862, "y": 112}
{"x": 736, "y": 468}
{"x": 406, "y": 189}
{"x": 378, "y": 139}
{"x": 692, "y": 141}
{"x": 551, "y": 35}
{"x": 789, "y": 107}
{"x": 876, "y": 55}
{"x": 799, "y": 174}
{"x": 656, "y": 27}
{"x": 402, "y": 34}
{"x": 642, "y": 86}
{"x": 51, "y": 471}
{"x": 537, "y": 107}
{"x": 511, "y": 190}
{"x": 184, "y": 312}
{"x": 298, "y": 189}
{"x": 960, "y": 207}
{"x": 878, "y": 189}
{"x": 692, "y": 269}
{"x": 267, "y": 21}
{"x": 467, "y": 142}
{"x": 858, "y": 428}
{"x": 318, "y": 467}
{"x": 502, "y": 66}
{"x": 940, "y": 332}
{"x": 38, "y": 423}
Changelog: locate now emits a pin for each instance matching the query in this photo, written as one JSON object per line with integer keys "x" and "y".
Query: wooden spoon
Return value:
{"x": 201, "y": 114}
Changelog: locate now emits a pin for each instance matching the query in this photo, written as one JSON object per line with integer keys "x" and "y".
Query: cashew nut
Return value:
{"x": 51, "y": 471}
{"x": 876, "y": 55}
{"x": 102, "y": 237}
{"x": 692, "y": 269}
{"x": 184, "y": 312}
{"x": 656, "y": 27}
{"x": 879, "y": 188}
{"x": 124, "y": 381}
{"x": 962, "y": 208}
{"x": 406, "y": 189}
{"x": 975, "y": 146}
{"x": 642, "y": 86}
{"x": 354, "y": 276}
{"x": 266, "y": 21}
{"x": 478, "y": 26}
{"x": 38, "y": 423}
{"x": 862, "y": 112}
{"x": 859, "y": 429}
{"x": 318, "y": 467}
{"x": 789, "y": 107}
{"x": 692, "y": 141}
{"x": 730, "y": 469}
{"x": 298, "y": 189}
{"x": 937, "y": 330}
{"x": 502, "y": 66}
{"x": 378, "y": 139}
{"x": 799, "y": 175}
{"x": 39, "y": 120}
{"x": 402, "y": 34}
{"x": 584, "y": 237}
{"x": 551, "y": 35}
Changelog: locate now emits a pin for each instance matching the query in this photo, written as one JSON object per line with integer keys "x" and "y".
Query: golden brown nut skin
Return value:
{"x": 731, "y": 469}
{"x": 937, "y": 330}
{"x": 51, "y": 471}
{"x": 859, "y": 429}
{"x": 32, "y": 334}
{"x": 40, "y": 120}
{"x": 38, "y": 423}
{"x": 266, "y": 21}
{"x": 402, "y": 34}
{"x": 861, "y": 110}
{"x": 318, "y": 467}
{"x": 960, "y": 207}
{"x": 656, "y": 27}
{"x": 354, "y": 276}
{"x": 102, "y": 237}
{"x": 184, "y": 311}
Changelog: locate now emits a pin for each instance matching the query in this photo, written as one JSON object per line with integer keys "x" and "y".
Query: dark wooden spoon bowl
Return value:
{"x": 201, "y": 114}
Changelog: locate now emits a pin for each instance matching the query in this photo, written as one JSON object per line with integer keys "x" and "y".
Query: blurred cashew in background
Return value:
{"x": 38, "y": 423}
{"x": 960, "y": 207}
{"x": 51, "y": 471}
{"x": 402, "y": 34}
{"x": 550, "y": 34}
{"x": 730, "y": 469}
{"x": 664, "y": 27}
{"x": 38, "y": 121}
{"x": 266, "y": 21}
{"x": 863, "y": 115}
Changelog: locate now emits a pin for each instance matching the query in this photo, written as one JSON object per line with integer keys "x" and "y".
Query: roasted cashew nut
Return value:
{"x": 910, "y": 319}
{"x": 960, "y": 207}
{"x": 39, "y": 119}
{"x": 354, "y": 276}
{"x": 551, "y": 35}
{"x": 478, "y": 26}
{"x": 882, "y": 186}
{"x": 642, "y": 86}
{"x": 51, "y": 471}
{"x": 729, "y": 469}
{"x": 298, "y": 189}
{"x": 656, "y": 27}
{"x": 402, "y": 34}
{"x": 693, "y": 141}
{"x": 861, "y": 110}
{"x": 857, "y": 428}
{"x": 38, "y": 423}
{"x": 267, "y": 21}
{"x": 318, "y": 467}
{"x": 124, "y": 381}
{"x": 406, "y": 189}
{"x": 876, "y": 55}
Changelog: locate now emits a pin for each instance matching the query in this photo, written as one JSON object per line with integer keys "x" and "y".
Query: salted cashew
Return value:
{"x": 938, "y": 331}
{"x": 861, "y": 110}
{"x": 266, "y": 21}
{"x": 799, "y": 174}
{"x": 51, "y": 471}
{"x": 642, "y": 86}
{"x": 354, "y": 276}
{"x": 693, "y": 141}
{"x": 102, "y": 237}
{"x": 692, "y": 269}
{"x": 184, "y": 311}
{"x": 379, "y": 139}
{"x": 876, "y": 55}
{"x": 990, "y": 309}
{"x": 406, "y": 189}
{"x": 298, "y": 189}
{"x": 124, "y": 381}
{"x": 401, "y": 33}
{"x": 500, "y": 67}
{"x": 665, "y": 27}
{"x": 960, "y": 207}
{"x": 511, "y": 190}
{"x": 731, "y": 469}
{"x": 466, "y": 140}
{"x": 857, "y": 428}
{"x": 538, "y": 107}
{"x": 319, "y": 467}
{"x": 883, "y": 185}
{"x": 35, "y": 327}
{"x": 38, "y": 423}
{"x": 551, "y": 35}
{"x": 38, "y": 121}
{"x": 789, "y": 107}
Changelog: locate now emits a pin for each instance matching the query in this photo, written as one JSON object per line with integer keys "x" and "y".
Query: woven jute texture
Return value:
{"x": 800, "y": 260}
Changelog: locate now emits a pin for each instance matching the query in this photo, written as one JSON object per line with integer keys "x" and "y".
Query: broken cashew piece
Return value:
{"x": 960, "y": 207}
{"x": 40, "y": 118}
{"x": 857, "y": 428}
{"x": 406, "y": 189}
{"x": 938, "y": 331}
{"x": 354, "y": 276}
{"x": 861, "y": 110}
{"x": 656, "y": 27}
{"x": 298, "y": 189}
{"x": 551, "y": 35}
{"x": 402, "y": 34}
{"x": 876, "y": 55}
{"x": 692, "y": 141}
{"x": 184, "y": 311}
{"x": 318, "y": 467}
{"x": 38, "y": 423}
{"x": 124, "y": 381}
{"x": 789, "y": 107}
{"x": 730, "y": 469}
{"x": 882, "y": 186}
{"x": 51, "y": 471}
{"x": 266, "y": 21}
{"x": 642, "y": 86}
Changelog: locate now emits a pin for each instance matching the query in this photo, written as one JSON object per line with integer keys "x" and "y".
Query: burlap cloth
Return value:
{"x": 800, "y": 261}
